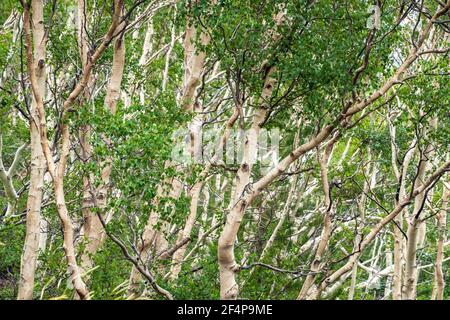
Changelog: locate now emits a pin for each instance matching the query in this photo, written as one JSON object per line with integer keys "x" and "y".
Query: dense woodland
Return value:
{"x": 348, "y": 201}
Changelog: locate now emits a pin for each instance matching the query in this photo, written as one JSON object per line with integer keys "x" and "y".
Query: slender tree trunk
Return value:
{"x": 439, "y": 283}
{"x": 193, "y": 65}
{"x": 416, "y": 232}
{"x": 37, "y": 168}
{"x": 6, "y": 178}
{"x": 399, "y": 238}
{"x": 327, "y": 220}
{"x": 388, "y": 286}
{"x": 359, "y": 233}
{"x": 412, "y": 242}
{"x": 146, "y": 51}
{"x": 169, "y": 52}
{"x": 284, "y": 214}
